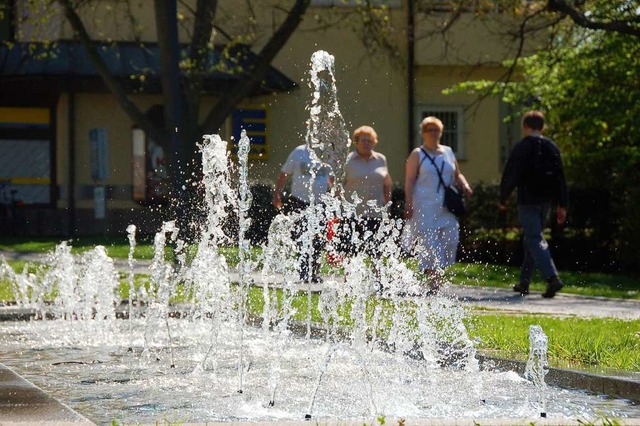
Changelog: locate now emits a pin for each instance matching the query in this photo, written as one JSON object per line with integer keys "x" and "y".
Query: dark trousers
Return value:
{"x": 294, "y": 205}
{"x": 536, "y": 249}
{"x": 357, "y": 234}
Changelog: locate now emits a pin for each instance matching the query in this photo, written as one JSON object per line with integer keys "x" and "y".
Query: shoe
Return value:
{"x": 522, "y": 289}
{"x": 553, "y": 287}
{"x": 317, "y": 279}
{"x": 432, "y": 290}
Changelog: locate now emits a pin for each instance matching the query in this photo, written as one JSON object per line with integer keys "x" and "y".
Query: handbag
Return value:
{"x": 453, "y": 198}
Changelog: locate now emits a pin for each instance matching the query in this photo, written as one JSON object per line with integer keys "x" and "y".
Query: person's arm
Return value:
{"x": 510, "y": 176}
{"x": 386, "y": 189}
{"x": 277, "y": 192}
{"x": 410, "y": 177}
{"x": 461, "y": 181}
{"x": 563, "y": 199}
{"x": 386, "y": 184}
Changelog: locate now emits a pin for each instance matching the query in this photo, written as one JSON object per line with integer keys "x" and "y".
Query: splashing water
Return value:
{"x": 537, "y": 365}
{"x": 190, "y": 351}
{"x": 327, "y": 135}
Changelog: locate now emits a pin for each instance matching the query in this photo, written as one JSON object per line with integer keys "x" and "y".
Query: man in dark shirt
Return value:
{"x": 535, "y": 167}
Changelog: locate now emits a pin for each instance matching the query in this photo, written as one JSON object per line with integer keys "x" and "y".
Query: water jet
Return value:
{"x": 357, "y": 356}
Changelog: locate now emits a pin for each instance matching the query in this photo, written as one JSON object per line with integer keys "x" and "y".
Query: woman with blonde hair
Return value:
{"x": 436, "y": 229}
{"x": 367, "y": 179}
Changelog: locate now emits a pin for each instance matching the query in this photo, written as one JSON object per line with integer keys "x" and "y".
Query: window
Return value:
{"x": 25, "y": 155}
{"x": 6, "y": 21}
{"x": 467, "y": 6}
{"x": 452, "y": 118}
{"x": 354, "y": 3}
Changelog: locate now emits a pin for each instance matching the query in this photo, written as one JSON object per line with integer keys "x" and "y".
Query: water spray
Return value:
{"x": 537, "y": 365}
{"x": 131, "y": 235}
{"x": 244, "y": 263}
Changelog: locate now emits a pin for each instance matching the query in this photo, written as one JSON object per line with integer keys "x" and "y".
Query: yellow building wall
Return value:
{"x": 95, "y": 111}
{"x": 471, "y": 39}
{"x": 480, "y": 157}
{"x": 371, "y": 90}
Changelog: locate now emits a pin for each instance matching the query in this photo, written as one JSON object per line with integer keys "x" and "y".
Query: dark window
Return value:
{"x": 7, "y": 31}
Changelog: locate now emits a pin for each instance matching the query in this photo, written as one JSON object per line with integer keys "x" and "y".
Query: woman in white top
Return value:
{"x": 435, "y": 227}
{"x": 367, "y": 176}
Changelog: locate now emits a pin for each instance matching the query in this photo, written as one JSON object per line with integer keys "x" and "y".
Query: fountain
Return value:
{"x": 205, "y": 342}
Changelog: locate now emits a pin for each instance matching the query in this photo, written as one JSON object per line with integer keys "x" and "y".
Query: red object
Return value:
{"x": 333, "y": 257}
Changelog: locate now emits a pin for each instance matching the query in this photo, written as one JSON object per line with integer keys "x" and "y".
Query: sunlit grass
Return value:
{"x": 476, "y": 274}
{"x": 573, "y": 342}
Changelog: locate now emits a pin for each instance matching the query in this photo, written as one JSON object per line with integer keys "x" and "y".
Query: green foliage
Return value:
{"x": 483, "y": 209}
{"x": 588, "y": 86}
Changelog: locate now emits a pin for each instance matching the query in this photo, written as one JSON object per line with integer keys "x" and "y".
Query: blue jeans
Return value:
{"x": 536, "y": 249}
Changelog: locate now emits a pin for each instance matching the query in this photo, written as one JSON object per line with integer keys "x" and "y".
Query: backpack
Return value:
{"x": 543, "y": 179}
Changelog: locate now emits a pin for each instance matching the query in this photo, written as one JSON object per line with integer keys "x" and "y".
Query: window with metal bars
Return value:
{"x": 356, "y": 3}
{"x": 451, "y": 118}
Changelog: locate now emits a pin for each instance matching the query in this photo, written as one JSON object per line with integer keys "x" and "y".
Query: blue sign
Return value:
{"x": 254, "y": 121}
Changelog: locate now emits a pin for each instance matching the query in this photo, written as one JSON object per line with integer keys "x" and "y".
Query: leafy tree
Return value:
{"x": 526, "y": 26}
{"x": 588, "y": 86}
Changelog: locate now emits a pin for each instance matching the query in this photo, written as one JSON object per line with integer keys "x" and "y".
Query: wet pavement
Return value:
{"x": 23, "y": 403}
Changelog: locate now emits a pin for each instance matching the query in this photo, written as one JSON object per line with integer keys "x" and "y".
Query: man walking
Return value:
{"x": 310, "y": 179}
{"x": 535, "y": 167}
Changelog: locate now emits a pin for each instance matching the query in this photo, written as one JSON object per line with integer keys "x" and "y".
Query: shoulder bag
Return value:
{"x": 453, "y": 198}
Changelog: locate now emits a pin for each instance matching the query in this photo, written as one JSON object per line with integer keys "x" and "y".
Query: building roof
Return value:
{"x": 135, "y": 64}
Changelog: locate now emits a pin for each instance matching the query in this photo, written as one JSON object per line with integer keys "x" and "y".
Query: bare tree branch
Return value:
{"x": 254, "y": 76}
{"x": 623, "y": 26}
{"x": 112, "y": 83}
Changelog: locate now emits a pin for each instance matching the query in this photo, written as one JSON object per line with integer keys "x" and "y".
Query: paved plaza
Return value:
{"x": 23, "y": 403}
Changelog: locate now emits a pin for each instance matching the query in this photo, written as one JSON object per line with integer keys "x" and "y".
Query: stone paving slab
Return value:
{"x": 430, "y": 422}
{"x": 505, "y": 300}
{"x": 23, "y": 402}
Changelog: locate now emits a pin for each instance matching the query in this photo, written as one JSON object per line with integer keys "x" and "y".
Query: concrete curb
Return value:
{"x": 618, "y": 387}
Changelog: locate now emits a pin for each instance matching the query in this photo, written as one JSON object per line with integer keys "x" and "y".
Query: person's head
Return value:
{"x": 431, "y": 129}
{"x": 533, "y": 120}
{"x": 365, "y": 138}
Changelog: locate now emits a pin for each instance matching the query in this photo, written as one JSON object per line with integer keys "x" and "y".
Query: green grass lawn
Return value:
{"x": 587, "y": 343}
{"x": 590, "y": 284}
{"x": 573, "y": 342}
{"x": 115, "y": 248}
